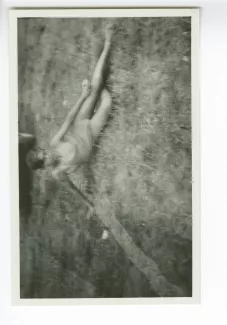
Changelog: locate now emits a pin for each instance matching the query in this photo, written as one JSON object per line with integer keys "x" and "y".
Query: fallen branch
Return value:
{"x": 72, "y": 188}
{"x": 144, "y": 263}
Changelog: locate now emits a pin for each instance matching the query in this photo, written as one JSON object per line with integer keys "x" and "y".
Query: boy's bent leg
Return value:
{"x": 99, "y": 119}
{"x": 97, "y": 81}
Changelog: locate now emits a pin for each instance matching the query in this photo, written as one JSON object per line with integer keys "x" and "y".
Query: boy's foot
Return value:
{"x": 109, "y": 31}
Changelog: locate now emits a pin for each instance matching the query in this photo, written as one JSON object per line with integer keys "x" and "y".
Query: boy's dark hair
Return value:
{"x": 35, "y": 159}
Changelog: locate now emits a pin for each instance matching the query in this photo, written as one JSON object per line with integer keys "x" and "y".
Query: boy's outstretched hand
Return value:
{"x": 91, "y": 212}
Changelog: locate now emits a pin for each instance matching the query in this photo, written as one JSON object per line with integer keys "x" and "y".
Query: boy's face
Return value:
{"x": 40, "y": 155}
{"x": 36, "y": 159}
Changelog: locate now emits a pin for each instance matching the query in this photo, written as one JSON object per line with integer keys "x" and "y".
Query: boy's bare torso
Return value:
{"x": 76, "y": 147}
{"x": 72, "y": 145}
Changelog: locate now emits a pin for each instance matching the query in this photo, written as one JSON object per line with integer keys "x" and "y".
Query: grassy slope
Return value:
{"x": 141, "y": 171}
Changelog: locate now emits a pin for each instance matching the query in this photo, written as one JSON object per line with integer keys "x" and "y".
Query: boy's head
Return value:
{"x": 36, "y": 159}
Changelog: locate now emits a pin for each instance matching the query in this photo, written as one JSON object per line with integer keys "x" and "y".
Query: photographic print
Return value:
{"x": 103, "y": 138}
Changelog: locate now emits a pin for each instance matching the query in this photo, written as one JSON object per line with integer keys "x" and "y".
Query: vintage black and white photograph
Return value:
{"x": 104, "y": 123}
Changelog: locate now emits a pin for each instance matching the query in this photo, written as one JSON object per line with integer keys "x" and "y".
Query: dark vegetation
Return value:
{"x": 141, "y": 169}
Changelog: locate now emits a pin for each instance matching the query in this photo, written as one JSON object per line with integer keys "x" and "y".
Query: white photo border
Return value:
{"x": 14, "y": 14}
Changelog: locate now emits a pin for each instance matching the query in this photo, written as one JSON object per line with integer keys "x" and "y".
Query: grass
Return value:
{"x": 141, "y": 169}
